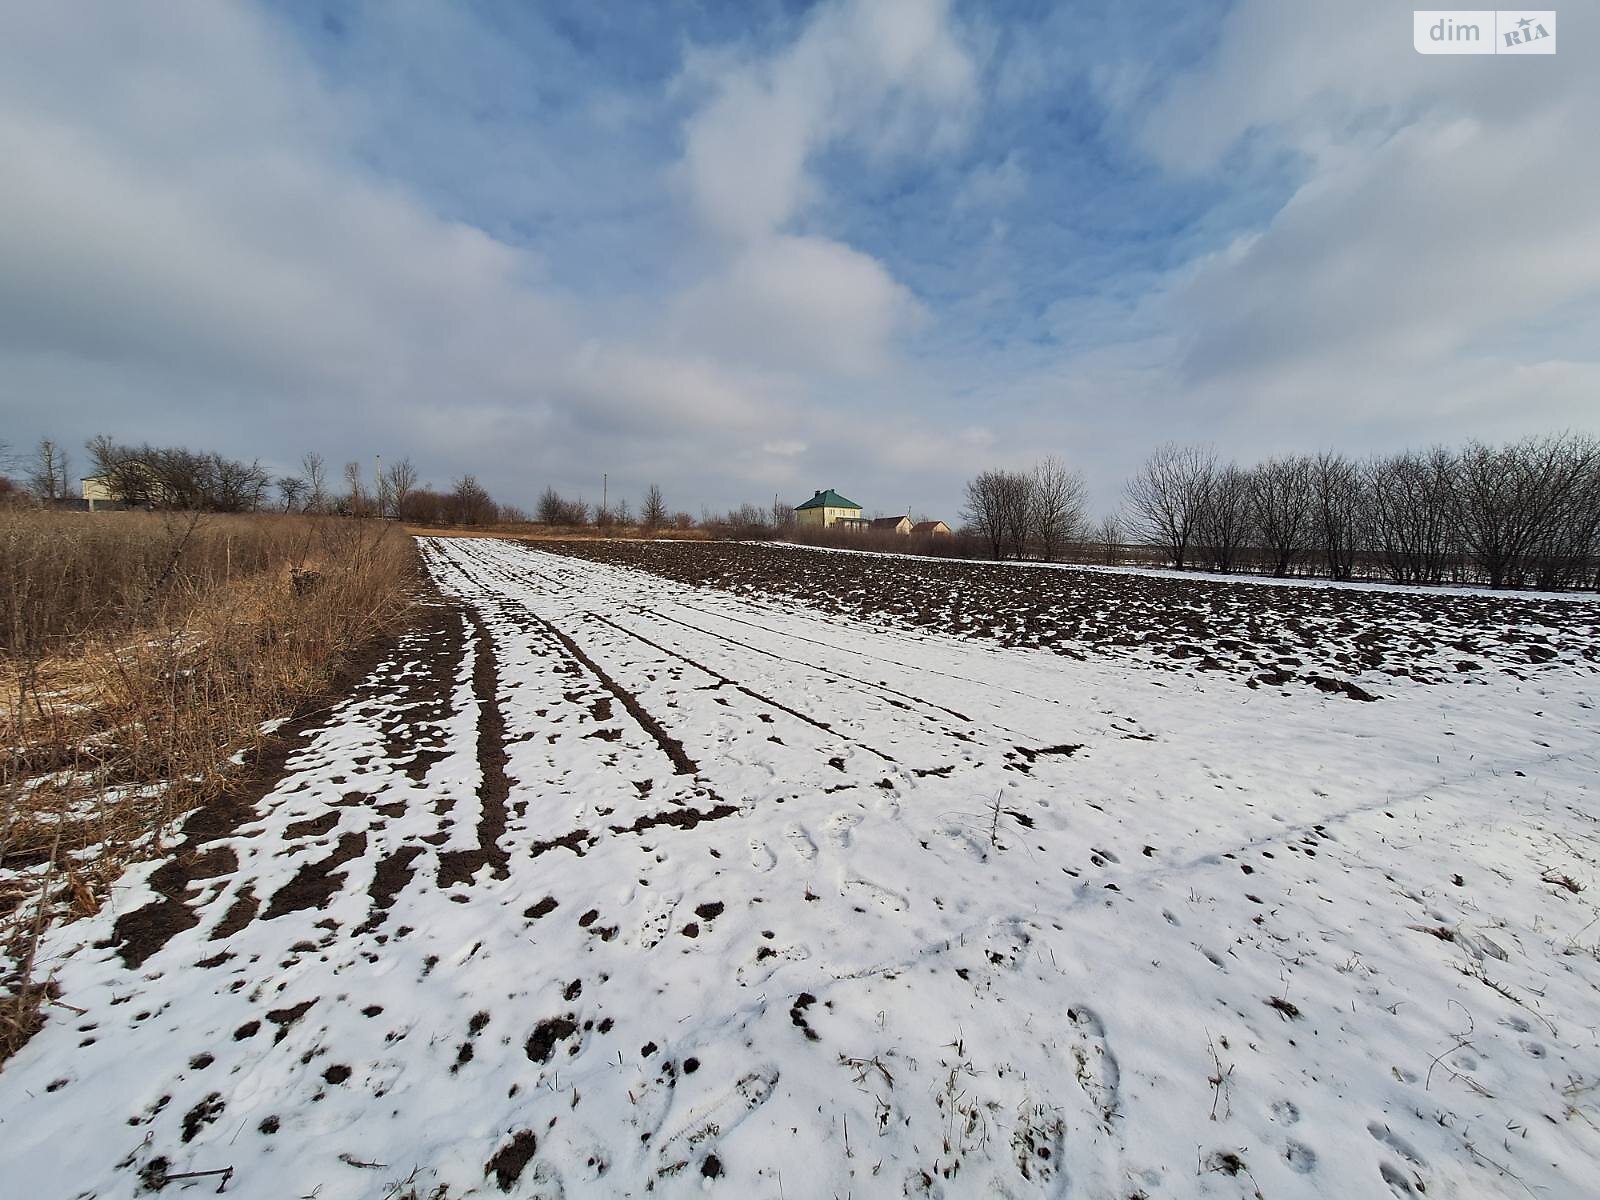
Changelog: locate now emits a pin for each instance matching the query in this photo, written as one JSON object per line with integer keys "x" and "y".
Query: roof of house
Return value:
{"x": 888, "y": 522}
{"x": 927, "y": 526}
{"x": 828, "y": 499}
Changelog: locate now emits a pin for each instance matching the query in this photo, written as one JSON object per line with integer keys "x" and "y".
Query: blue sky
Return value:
{"x": 757, "y": 248}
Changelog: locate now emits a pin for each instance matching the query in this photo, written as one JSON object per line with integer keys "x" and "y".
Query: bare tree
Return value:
{"x": 316, "y": 477}
{"x": 995, "y": 512}
{"x": 1058, "y": 506}
{"x": 471, "y": 502}
{"x": 399, "y": 481}
{"x": 1567, "y": 552}
{"x": 1281, "y": 505}
{"x": 355, "y": 496}
{"x": 1224, "y": 525}
{"x": 1509, "y": 499}
{"x": 1164, "y": 499}
{"x": 228, "y": 485}
{"x": 49, "y": 470}
{"x": 118, "y": 467}
{"x": 1109, "y": 535}
{"x": 1339, "y": 514}
{"x": 1410, "y": 497}
{"x": 291, "y": 488}
{"x": 653, "y": 512}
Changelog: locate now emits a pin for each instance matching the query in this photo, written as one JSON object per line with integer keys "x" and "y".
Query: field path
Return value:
{"x": 605, "y": 884}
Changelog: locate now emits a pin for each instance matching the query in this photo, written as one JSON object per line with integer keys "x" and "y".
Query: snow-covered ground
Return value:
{"x": 606, "y": 885}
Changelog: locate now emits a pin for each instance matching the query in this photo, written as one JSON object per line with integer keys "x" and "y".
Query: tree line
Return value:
{"x": 175, "y": 477}
{"x": 172, "y": 477}
{"x": 1028, "y": 514}
{"x": 1522, "y": 514}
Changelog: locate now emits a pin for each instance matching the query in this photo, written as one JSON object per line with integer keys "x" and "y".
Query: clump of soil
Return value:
{"x": 508, "y": 1161}
{"x": 542, "y": 1042}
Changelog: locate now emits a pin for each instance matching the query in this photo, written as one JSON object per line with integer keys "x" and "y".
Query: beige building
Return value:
{"x": 901, "y": 525}
{"x": 95, "y": 490}
{"x": 938, "y": 527}
{"x": 826, "y": 508}
{"x": 131, "y": 480}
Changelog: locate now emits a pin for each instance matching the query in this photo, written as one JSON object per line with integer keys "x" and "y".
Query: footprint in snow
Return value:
{"x": 1395, "y": 1142}
{"x": 656, "y": 923}
{"x": 800, "y": 842}
{"x": 651, "y": 1098}
{"x": 964, "y": 839}
{"x": 1399, "y": 1185}
{"x": 768, "y": 960}
{"x": 891, "y": 900}
{"x": 1302, "y": 1159}
{"x": 719, "y": 1116}
{"x": 1038, "y": 1143}
{"x": 543, "y": 1183}
{"x": 761, "y": 856}
{"x": 1007, "y": 942}
{"x": 839, "y": 826}
{"x": 1095, "y": 1066}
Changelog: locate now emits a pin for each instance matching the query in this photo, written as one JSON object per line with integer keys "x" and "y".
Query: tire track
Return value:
{"x": 739, "y": 687}
{"x": 670, "y": 746}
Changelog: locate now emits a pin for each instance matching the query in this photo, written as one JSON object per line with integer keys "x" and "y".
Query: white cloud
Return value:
{"x": 1426, "y": 278}
{"x": 801, "y": 303}
{"x": 888, "y": 75}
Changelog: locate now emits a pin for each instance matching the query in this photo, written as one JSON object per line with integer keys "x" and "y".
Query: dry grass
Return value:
{"x": 529, "y": 531}
{"x": 139, "y": 657}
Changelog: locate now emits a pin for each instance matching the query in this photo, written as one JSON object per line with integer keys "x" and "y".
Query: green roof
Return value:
{"x": 828, "y": 499}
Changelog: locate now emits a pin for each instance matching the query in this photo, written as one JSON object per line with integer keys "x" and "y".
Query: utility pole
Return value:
{"x": 377, "y": 483}
{"x": 605, "y": 502}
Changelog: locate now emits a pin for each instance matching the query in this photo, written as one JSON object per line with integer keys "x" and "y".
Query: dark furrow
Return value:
{"x": 494, "y": 785}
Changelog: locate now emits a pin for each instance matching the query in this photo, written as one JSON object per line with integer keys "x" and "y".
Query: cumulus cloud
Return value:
{"x": 887, "y": 78}
{"x": 802, "y": 303}
{"x": 889, "y": 75}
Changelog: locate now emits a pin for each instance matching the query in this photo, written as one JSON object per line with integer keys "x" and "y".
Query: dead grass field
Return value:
{"x": 140, "y": 656}
{"x": 524, "y": 531}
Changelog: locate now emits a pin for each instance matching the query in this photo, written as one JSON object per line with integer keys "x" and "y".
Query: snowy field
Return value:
{"x": 607, "y": 884}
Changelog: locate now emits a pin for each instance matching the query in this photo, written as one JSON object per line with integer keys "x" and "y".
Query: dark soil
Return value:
{"x": 508, "y": 1161}
{"x": 286, "y": 1018}
{"x": 459, "y": 866}
{"x": 240, "y": 913}
{"x": 139, "y": 934}
{"x": 389, "y": 879}
{"x": 1250, "y": 628}
{"x": 314, "y": 884}
{"x": 542, "y": 908}
{"x": 542, "y": 1042}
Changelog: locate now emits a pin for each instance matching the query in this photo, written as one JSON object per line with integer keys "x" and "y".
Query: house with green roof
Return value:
{"x": 826, "y": 508}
